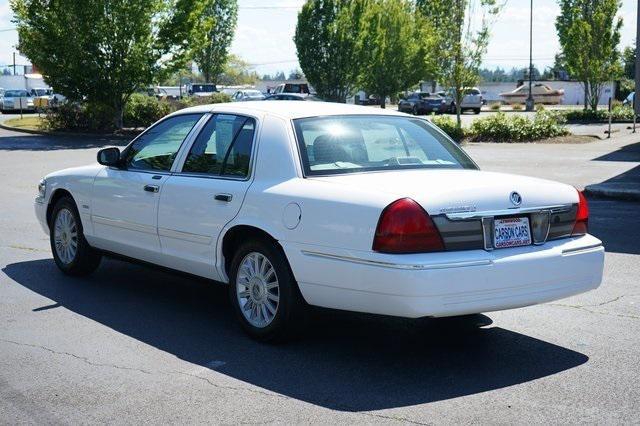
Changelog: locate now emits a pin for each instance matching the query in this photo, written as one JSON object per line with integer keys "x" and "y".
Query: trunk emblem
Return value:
{"x": 515, "y": 198}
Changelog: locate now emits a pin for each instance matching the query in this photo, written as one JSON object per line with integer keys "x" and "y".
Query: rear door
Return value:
{"x": 206, "y": 193}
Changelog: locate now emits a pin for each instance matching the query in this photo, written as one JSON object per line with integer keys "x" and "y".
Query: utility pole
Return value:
{"x": 14, "y": 63}
{"x": 530, "y": 103}
{"x": 636, "y": 103}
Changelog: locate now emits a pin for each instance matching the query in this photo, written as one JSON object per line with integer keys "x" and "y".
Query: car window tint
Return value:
{"x": 227, "y": 137}
{"x": 157, "y": 147}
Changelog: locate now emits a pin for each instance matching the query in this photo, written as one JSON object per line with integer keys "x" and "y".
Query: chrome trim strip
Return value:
{"x": 506, "y": 212}
{"x": 184, "y": 236}
{"x": 575, "y": 250}
{"x": 414, "y": 267}
{"x": 147, "y": 229}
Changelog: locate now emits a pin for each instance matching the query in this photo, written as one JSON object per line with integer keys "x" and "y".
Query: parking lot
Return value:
{"x": 132, "y": 344}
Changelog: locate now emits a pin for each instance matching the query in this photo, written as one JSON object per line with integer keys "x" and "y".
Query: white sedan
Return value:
{"x": 346, "y": 207}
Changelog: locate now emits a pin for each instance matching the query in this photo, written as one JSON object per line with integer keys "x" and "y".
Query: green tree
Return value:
{"x": 326, "y": 40}
{"x": 629, "y": 61}
{"x": 393, "y": 47}
{"x": 461, "y": 28}
{"x": 237, "y": 71}
{"x": 218, "y": 22}
{"x": 101, "y": 51}
{"x": 589, "y": 35}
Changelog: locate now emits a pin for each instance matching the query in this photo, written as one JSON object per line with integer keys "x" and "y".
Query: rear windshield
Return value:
{"x": 15, "y": 93}
{"x": 296, "y": 88}
{"x": 353, "y": 144}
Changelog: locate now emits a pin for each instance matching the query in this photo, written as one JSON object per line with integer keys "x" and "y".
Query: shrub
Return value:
{"x": 87, "y": 117}
{"x": 143, "y": 110}
{"x": 517, "y": 128}
{"x": 495, "y": 106}
{"x": 448, "y": 125}
{"x": 586, "y": 115}
{"x": 619, "y": 112}
{"x": 517, "y": 107}
{"x": 622, "y": 113}
{"x": 189, "y": 101}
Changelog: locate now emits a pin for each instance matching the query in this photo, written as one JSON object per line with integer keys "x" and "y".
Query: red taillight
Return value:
{"x": 582, "y": 217}
{"x": 404, "y": 227}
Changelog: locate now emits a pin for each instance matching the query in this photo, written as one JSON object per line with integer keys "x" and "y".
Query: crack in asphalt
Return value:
{"x": 25, "y": 248}
{"x": 81, "y": 358}
{"x": 195, "y": 376}
{"x": 586, "y": 309}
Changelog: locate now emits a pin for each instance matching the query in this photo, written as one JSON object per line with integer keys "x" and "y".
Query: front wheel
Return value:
{"x": 70, "y": 249}
{"x": 264, "y": 293}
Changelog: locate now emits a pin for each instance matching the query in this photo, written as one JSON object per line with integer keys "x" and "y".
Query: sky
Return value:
{"x": 264, "y": 35}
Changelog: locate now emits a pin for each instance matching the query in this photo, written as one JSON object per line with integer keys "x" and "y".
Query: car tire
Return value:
{"x": 268, "y": 304}
{"x": 452, "y": 108}
{"x": 414, "y": 110}
{"x": 476, "y": 110}
{"x": 71, "y": 251}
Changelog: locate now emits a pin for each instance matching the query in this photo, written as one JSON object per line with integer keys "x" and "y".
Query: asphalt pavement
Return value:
{"x": 131, "y": 344}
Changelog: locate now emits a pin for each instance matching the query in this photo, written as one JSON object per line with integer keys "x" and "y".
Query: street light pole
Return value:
{"x": 530, "y": 104}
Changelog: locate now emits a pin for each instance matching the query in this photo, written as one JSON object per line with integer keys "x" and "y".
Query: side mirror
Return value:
{"x": 109, "y": 157}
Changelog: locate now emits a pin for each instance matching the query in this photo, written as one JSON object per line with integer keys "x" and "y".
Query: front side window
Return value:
{"x": 157, "y": 147}
{"x": 223, "y": 147}
{"x": 351, "y": 144}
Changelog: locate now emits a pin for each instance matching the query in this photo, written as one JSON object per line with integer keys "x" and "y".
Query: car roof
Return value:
{"x": 290, "y": 109}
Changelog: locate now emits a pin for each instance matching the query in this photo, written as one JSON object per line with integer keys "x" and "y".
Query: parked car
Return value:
{"x": 48, "y": 101}
{"x": 472, "y": 100}
{"x": 313, "y": 203}
{"x": 422, "y": 103}
{"x": 201, "y": 90}
{"x": 14, "y": 100}
{"x": 629, "y": 99}
{"x": 247, "y": 95}
{"x": 299, "y": 88}
{"x": 542, "y": 94}
{"x": 290, "y": 97}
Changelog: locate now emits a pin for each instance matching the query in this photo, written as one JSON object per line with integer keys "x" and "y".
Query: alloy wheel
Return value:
{"x": 65, "y": 233}
{"x": 257, "y": 289}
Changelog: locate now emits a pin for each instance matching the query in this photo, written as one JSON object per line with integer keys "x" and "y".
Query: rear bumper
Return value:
{"x": 446, "y": 284}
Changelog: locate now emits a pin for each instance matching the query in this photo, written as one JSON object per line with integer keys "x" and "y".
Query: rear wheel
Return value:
{"x": 476, "y": 110}
{"x": 452, "y": 108}
{"x": 264, "y": 293}
{"x": 70, "y": 249}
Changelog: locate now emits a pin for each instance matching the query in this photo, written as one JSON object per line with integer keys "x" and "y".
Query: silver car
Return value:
{"x": 472, "y": 100}
{"x": 16, "y": 100}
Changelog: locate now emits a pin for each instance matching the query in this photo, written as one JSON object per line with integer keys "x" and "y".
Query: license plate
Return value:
{"x": 511, "y": 232}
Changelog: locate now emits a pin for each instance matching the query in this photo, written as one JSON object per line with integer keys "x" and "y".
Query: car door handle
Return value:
{"x": 151, "y": 188}
{"x": 223, "y": 197}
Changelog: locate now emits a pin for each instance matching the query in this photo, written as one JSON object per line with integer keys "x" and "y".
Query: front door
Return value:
{"x": 124, "y": 206}
{"x": 206, "y": 194}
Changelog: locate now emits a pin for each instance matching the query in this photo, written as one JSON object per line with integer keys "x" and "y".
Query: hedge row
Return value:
{"x": 140, "y": 111}
{"x": 501, "y": 127}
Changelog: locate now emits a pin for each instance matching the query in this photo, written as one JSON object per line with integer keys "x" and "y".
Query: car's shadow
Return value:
{"x": 344, "y": 362}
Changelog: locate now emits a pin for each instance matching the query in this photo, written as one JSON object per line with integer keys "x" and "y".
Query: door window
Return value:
{"x": 157, "y": 148}
{"x": 223, "y": 147}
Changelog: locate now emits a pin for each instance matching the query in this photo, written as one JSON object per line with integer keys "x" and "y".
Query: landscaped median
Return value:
{"x": 79, "y": 118}
{"x": 501, "y": 127}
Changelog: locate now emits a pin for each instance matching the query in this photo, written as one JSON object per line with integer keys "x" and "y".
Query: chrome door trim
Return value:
{"x": 184, "y": 236}
{"x": 123, "y": 224}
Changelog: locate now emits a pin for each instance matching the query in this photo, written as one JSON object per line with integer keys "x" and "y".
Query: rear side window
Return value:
{"x": 223, "y": 147}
